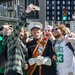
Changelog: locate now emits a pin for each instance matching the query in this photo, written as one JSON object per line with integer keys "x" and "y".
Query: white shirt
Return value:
{"x": 64, "y": 62}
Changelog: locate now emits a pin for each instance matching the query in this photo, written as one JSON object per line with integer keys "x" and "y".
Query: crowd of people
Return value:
{"x": 46, "y": 53}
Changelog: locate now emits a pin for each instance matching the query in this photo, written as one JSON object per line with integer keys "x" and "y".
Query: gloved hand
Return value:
{"x": 31, "y": 61}
{"x": 47, "y": 61}
{"x": 39, "y": 60}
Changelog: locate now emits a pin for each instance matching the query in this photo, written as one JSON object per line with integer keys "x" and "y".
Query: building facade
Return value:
{"x": 10, "y": 10}
{"x": 51, "y": 10}
{"x": 54, "y": 10}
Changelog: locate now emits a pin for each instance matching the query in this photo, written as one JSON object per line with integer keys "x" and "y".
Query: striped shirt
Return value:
{"x": 16, "y": 49}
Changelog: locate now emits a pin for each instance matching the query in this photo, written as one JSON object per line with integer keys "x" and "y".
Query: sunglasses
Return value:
{"x": 54, "y": 29}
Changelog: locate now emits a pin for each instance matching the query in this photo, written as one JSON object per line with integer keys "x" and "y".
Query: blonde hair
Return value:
{"x": 63, "y": 29}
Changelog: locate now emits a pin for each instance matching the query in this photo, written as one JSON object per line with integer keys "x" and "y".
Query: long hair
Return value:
{"x": 63, "y": 29}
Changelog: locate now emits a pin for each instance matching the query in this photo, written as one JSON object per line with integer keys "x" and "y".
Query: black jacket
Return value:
{"x": 48, "y": 52}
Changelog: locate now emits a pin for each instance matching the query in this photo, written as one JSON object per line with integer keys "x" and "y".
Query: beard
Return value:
{"x": 57, "y": 36}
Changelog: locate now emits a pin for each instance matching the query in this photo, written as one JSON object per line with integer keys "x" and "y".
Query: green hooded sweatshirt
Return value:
{"x": 1, "y": 47}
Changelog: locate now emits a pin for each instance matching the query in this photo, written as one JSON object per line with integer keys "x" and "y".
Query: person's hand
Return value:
{"x": 26, "y": 65}
{"x": 70, "y": 37}
{"x": 30, "y": 8}
{"x": 47, "y": 61}
{"x": 54, "y": 57}
{"x": 72, "y": 34}
{"x": 31, "y": 61}
{"x": 39, "y": 60}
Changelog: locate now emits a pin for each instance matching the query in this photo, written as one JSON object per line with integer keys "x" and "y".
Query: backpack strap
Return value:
{"x": 71, "y": 47}
{"x": 53, "y": 43}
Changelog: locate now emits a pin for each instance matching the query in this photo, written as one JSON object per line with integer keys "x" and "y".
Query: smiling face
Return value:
{"x": 36, "y": 32}
{"x": 24, "y": 34}
{"x": 59, "y": 31}
{"x": 56, "y": 32}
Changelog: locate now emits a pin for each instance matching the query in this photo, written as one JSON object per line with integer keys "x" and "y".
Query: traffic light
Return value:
{"x": 64, "y": 16}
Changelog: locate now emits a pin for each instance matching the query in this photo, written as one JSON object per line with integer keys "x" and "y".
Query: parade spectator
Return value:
{"x": 6, "y": 32}
{"x": 40, "y": 52}
{"x": 48, "y": 33}
{"x": 15, "y": 64}
{"x": 24, "y": 35}
{"x": 64, "y": 61}
{"x": 1, "y": 49}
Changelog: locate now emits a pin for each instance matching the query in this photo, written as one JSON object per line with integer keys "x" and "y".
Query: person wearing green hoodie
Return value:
{"x": 1, "y": 48}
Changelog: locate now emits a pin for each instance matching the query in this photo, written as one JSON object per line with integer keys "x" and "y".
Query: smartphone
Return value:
{"x": 37, "y": 8}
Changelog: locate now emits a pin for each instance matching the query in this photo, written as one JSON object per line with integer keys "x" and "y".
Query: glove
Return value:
{"x": 47, "y": 61}
{"x": 39, "y": 60}
{"x": 31, "y": 61}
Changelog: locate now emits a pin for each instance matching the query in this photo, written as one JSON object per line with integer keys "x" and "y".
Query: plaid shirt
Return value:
{"x": 16, "y": 49}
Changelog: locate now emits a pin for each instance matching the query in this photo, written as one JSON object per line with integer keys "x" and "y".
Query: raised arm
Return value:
{"x": 15, "y": 34}
{"x": 20, "y": 23}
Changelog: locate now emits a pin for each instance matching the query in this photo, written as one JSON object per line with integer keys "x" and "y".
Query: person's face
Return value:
{"x": 47, "y": 33}
{"x": 56, "y": 32}
{"x": 24, "y": 34}
{"x": 7, "y": 30}
{"x": 36, "y": 32}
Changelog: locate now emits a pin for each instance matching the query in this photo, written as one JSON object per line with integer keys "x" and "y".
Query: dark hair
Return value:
{"x": 1, "y": 28}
